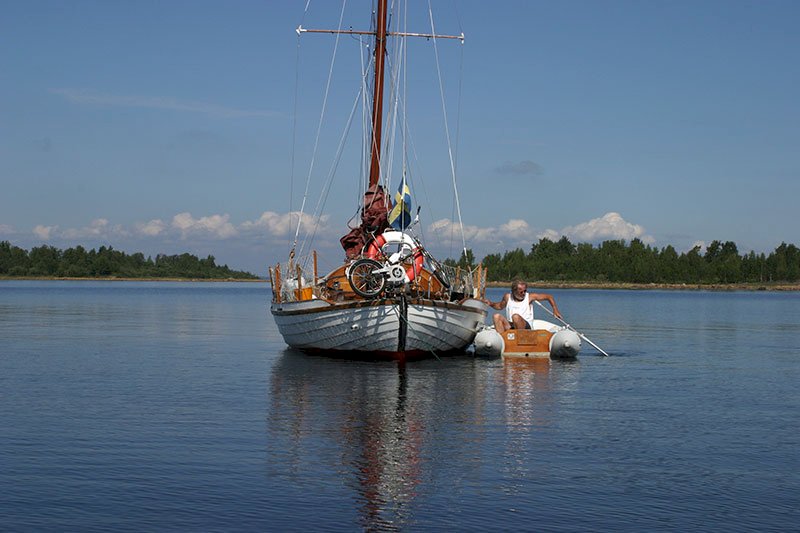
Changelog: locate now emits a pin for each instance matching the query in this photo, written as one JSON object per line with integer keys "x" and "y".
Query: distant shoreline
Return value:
{"x": 655, "y": 286}
{"x": 719, "y": 287}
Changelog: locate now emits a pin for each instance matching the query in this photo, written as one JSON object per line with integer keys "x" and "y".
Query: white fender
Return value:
{"x": 565, "y": 344}
{"x": 489, "y": 343}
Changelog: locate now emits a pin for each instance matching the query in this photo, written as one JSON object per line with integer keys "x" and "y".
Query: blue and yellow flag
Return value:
{"x": 400, "y": 215}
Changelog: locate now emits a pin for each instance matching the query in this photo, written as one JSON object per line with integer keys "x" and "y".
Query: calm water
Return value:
{"x": 176, "y": 406}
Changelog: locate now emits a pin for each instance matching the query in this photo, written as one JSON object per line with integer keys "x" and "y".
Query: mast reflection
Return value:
{"x": 387, "y": 433}
{"x": 361, "y": 412}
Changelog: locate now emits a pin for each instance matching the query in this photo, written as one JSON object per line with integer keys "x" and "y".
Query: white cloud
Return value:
{"x": 44, "y": 232}
{"x": 97, "y": 228}
{"x": 551, "y": 234}
{"x": 449, "y": 231}
{"x": 518, "y": 233}
{"x": 185, "y": 225}
{"x": 517, "y": 227}
{"x": 281, "y": 225}
{"x": 609, "y": 226}
{"x": 215, "y": 225}
{"x": 5, "y": 229}
{"x": 84, "y": 96}
{"x": 153, "y": 228}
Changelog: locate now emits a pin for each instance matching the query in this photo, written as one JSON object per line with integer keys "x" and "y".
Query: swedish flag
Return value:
{"x": 400, "y": 215}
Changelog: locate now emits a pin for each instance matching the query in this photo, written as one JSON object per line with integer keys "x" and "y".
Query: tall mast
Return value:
{"x": 377, "y": 96}
{"x": 380, "y": 33}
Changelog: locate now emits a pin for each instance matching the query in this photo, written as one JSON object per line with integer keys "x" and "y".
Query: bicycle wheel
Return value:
{"x": 363, "y": 279}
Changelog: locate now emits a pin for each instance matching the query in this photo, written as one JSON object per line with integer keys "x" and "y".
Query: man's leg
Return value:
{"x": 500, "y": 323}
{"x": 519, "y": 322}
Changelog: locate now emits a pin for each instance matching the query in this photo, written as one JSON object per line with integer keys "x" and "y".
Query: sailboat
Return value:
{"x": 390, "y": 298}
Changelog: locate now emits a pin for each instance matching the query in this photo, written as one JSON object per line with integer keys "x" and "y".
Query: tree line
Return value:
{"x": 47, "y": 261}
{"x": 637, "y": 262}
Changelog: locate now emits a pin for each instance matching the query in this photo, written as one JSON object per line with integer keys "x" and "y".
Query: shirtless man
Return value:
{"x": 518, "y": 305}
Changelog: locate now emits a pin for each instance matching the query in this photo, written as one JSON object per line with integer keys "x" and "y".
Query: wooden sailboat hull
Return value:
{"x": 393, "y": 328}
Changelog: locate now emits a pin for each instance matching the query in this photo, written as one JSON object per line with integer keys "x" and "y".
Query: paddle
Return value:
{"x": 581, "y": 335}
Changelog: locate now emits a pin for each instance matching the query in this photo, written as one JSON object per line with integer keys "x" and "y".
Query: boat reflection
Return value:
{"x": 354, "y": 417}
{"x": 526, "y": 383}
{"x": 393, "y": 431}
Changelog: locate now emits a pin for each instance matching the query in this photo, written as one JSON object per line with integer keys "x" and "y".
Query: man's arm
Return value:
{"x": 546, "y": 297}
{"x": 497, "y": 305}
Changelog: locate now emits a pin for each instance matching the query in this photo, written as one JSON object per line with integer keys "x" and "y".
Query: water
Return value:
{"x": 176, "y": 406}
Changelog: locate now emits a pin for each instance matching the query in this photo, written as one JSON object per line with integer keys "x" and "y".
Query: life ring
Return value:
{"x": 375, "y": 250}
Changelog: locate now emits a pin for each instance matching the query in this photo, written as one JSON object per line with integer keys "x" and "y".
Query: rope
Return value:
{"x": 294, "y": 117}
{"x": 447, "y": 130}
{"x": 326, "y": 188}
{"x": 319, "y": 126}
{"x": 294, "y": 125}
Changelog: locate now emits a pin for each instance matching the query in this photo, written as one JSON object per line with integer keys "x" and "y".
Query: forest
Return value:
{"x": 105, "y": 262}
{"x": 613, "y": 261}
{"x": 617, "y": 261}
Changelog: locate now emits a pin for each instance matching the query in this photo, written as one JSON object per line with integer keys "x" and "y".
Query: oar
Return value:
{"x": 581, "y": 335}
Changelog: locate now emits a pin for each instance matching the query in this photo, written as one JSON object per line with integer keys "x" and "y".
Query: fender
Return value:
{"x": 375, "y": 250}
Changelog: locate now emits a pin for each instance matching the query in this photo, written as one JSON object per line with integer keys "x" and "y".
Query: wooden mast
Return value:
{"x": 380, "y": 33}
{"x": 377, "y": 96}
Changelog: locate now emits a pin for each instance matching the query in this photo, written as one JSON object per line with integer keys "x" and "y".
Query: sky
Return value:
{"x": 189, "y": 126}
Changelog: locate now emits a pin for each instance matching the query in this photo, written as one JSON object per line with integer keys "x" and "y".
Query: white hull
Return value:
{"x": 381, "y": 327}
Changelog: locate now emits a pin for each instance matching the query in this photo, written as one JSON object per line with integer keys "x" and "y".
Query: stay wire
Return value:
{"x": 447, "y": 129}
{"x": 294, "y": 118}
{"x": 326, "y": 188}
{"x": 319, "y": 126}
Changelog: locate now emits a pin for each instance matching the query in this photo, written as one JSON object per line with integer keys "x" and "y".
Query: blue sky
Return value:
{"x": 166, "y": 127}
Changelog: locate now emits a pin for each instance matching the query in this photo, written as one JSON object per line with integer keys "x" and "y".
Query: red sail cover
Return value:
{"x": 373, "y": 221}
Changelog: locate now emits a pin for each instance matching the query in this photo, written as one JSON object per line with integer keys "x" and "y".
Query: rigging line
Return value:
{"x": 398, "y": 70}
{"x": 363, "y": 163}
{"x": 419, "y": 172}
{"x": 366, "y": 130}
{"x": 319, "y": 126}
{"x": 458, "y": 131}
{"x": 415, "y": 184}
{"x": 332, "y": 172}
{"x": 458, "y": 113}
{"x": 294, "y": 123}
{"x": 404, "y": 122}
{"x": 394, "y": 93}
{"x": 363, "y": 89}
{"x": 447, "y": 129}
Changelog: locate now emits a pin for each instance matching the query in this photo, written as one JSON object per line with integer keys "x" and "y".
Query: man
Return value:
{"x": 518, "y": 305}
